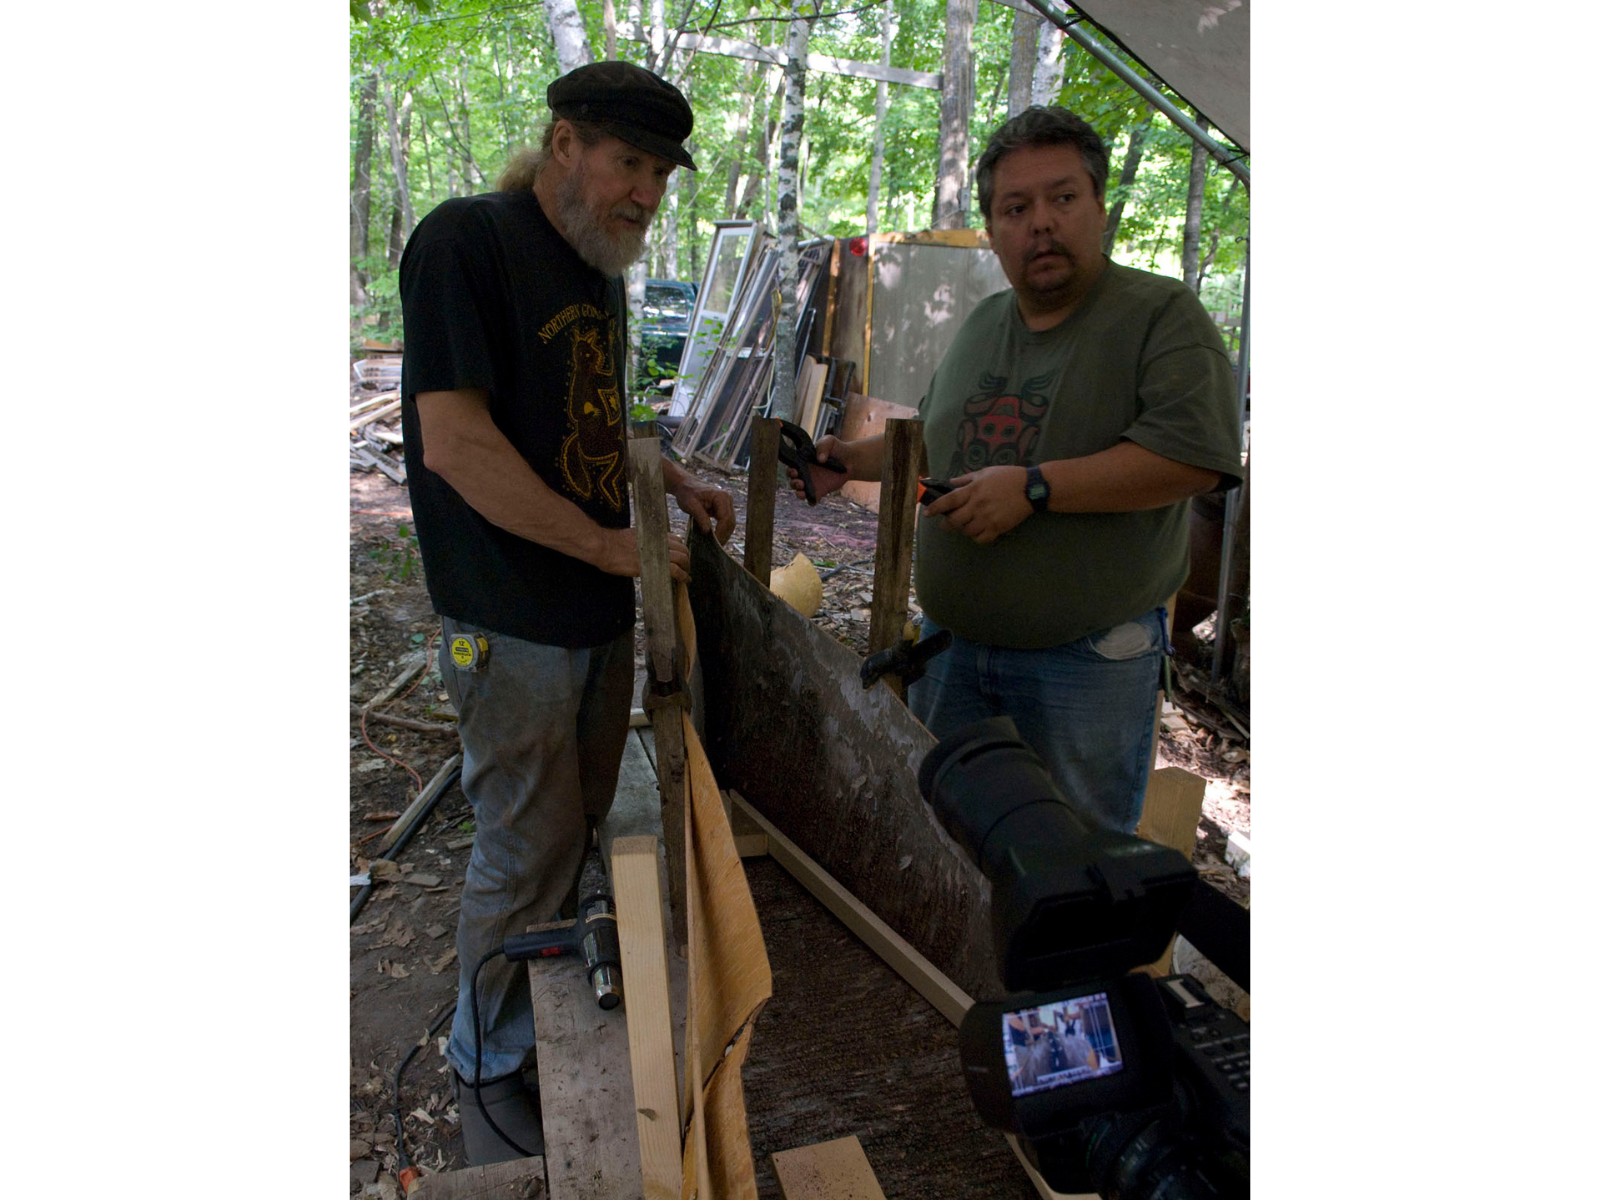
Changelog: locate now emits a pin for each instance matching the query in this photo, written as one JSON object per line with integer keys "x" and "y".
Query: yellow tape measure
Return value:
{"x": 469, "y": 652}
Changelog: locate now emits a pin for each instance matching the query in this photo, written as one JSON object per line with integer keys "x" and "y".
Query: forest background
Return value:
{"x": 442, "y": 92}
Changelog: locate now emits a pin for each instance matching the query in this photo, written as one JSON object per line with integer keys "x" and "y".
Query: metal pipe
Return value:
{"x": 1071, "y": 27}
{"x": 1230, "y": 519}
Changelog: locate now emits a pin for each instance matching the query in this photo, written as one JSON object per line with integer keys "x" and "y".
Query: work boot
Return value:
{"x": 514, "y": 1109}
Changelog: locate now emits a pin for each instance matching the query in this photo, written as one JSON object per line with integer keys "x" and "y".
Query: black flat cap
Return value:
{"x": 642, "y": 109}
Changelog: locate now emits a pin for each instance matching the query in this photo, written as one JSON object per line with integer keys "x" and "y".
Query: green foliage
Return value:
{"x": 398, "y": 556}
{"x": 476, "y": 72}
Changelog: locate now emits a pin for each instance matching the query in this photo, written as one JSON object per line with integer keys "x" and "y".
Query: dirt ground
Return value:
{"x": 402, "y": 942}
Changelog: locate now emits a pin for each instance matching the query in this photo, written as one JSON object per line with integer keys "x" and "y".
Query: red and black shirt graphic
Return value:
{"x": 1000, "y": 427}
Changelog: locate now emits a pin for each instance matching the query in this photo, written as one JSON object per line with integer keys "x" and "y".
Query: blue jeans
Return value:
{"x": 542, "y": 734}
{"x": 1087, "y": 708}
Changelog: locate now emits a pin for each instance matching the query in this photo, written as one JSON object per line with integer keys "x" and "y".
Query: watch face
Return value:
{"x": 1038, "y": 491}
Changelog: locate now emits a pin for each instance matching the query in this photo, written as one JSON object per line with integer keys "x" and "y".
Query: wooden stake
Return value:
{"x": 660, "y": 634}
{"x": 762, "y": 500}
{"x": 897, "y": 523}
{"x": 424, "y": 798}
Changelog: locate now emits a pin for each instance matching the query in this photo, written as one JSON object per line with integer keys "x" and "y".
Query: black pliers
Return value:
{"x": 795, "y": 449}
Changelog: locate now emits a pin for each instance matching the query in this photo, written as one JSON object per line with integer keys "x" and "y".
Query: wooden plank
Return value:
{"x": 591, "y": 1147}
{"x": 409, "y": 667}
{"x": 637, "y": 880}
{"x": 864, "y": 417}
{"x": 519, "y": 1179}
{"x": 897, "y": 527}
{"x": 661, "y": 639}
{"x": 1172, "y": 805}
{"x": 761, "y": 501}
{"x": 888, "y": 945}
{"x": 832, "y": 765}
{"x": 387, "y": 410}
{"x": 836, "y": 1170}
{"x": 424, "y": 798}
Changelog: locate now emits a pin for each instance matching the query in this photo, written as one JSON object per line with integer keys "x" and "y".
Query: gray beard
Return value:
{"x": 608, "y": 254}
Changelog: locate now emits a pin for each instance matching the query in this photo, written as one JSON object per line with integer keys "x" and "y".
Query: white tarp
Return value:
{"x": 1199, "y": 48}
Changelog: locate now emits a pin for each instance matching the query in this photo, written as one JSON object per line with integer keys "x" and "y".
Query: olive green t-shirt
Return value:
{"x": 1138, "y": 359}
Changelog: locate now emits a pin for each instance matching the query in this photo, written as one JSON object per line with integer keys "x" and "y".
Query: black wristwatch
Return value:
{"x": 1037, "y": 490}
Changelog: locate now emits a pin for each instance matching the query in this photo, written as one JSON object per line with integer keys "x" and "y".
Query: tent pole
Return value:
{"x": 1072, "y": 27}
{"x": 1230, "y": 519}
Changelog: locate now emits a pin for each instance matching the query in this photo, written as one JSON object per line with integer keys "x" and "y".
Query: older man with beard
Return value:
{"x": 515, "y": 434}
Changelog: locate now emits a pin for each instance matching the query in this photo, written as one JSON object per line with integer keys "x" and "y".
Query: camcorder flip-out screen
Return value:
{"x": 1069, "y": 1054}
{"x": 1060, "y": 1044}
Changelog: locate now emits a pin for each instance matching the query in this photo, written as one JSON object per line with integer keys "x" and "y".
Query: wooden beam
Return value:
{"x": 591, "y": 1146}
{"x": 1172, "y": 804}
{"x": 836, "y": 1170}
{"x": 761, "y": 502}
{"x": 519, "y": 1179}
{"x": 731, "y": 48}
{"x": 897, "y": 527}
{"x": 424, "y": 798}
{"x": 661, "y": 639}
{"x": 888, "y": 945}
{"x": 641, "y": 932}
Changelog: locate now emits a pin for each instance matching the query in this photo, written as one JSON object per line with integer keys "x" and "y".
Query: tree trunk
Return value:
{"x": 955, "y": 115}
{"x": 1024, "y": 58}
{"x": 361, "y": 190}
{"x": 794, "y": 116}
{"x": 657, "y": 32}
{"x": 469, "y": 165}
{"x": 741, "y": 135}
{"x": 571, "y": 38}
{"x": 609, "y": 16}
{"x": 891, "y": 26}
{"x": 669, "y": 227}
{"x": 763, "y": 150}
{"x": 399, "y": 149}
{"x": 1049, "y": 65}
{"x": 1194, "y": 210}
{"x": 1216, "y": 234}
{"x": 1130, "y": 168}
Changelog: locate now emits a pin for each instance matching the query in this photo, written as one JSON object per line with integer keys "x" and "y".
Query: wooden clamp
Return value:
{"x": 660, "y": 633}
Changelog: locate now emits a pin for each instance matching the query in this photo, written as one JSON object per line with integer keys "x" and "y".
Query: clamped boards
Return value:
{"x": 795, "y": 449}
{"x": 907, "y": 659}
{"x": 929, "y": 490}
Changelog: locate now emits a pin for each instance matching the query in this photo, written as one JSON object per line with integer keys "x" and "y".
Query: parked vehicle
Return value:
{"x": 668, "y": 304}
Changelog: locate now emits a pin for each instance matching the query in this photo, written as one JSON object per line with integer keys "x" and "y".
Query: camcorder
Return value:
{"x": 1111, "y": 1081}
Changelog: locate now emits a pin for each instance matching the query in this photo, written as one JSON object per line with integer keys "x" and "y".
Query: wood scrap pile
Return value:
{"x": 375, "y": 439}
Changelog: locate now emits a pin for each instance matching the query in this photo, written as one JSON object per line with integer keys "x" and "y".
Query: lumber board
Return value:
{"x": 1172, "y": 802}
{"x": 897, "y": 527}
{"x": 409, "y": 666}
{"x": 833, "y": 766}
{"x": 519, "y": 1179}
{"x": 636, "y": 877}
{"x": 836, "y": 1170}
{"x": 591, "y": 1151}
{"x": 424, "y": 798}
{"x": 934, "y": 986}
{"x": 761, "y": 500}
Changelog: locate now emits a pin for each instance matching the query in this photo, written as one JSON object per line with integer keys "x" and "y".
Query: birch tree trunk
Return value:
{"x": 794, "y": 116}
{"x": 1050, "y": 64}
{"x": 955, "y": 115}
{"x": 1130, "y": 168}
{"x": 1193, "y": 211}
{"x": 658, "y": 38}
{"x": 361, "y": 190}
{"x": 1024, "y": 58}
{"x": 571, "y": 38}
{"x": 891, "y": 26}
{"x": 399, "y": 148}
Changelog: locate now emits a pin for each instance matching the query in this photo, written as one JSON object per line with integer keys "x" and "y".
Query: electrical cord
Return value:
{"x": 477, "y": 1060}
{"x": 399, "y": 1127}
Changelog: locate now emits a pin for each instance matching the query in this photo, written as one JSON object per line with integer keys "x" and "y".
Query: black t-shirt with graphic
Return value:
{"x": 494, "y": 298}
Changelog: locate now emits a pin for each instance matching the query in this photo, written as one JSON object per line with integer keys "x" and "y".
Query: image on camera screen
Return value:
{"x": 1061, "y": 1043}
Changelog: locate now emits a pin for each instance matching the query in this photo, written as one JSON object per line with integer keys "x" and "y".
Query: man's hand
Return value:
{"x": 619, "y": 554}
{"x": 705, "y": 505}
{"x": 823, "y": 479}
{"x": 985, "y": 504}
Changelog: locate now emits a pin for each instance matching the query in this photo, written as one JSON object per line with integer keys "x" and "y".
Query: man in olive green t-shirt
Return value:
{"x": 1077, "y": 413}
